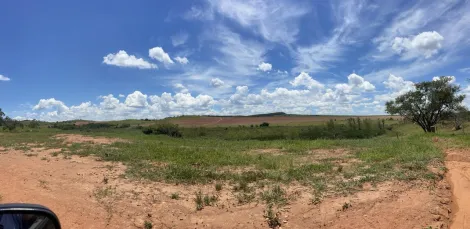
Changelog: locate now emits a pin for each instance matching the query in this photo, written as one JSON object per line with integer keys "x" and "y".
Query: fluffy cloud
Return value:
{"x": 122, "y": 59}
{"x": 397, "y": 83}
{"x": 121, "y": 96}
{"x": 316, "y": 98}
{"x": 216, "y": 82}
{"x": 109, "y": 102}
{"x": 182, "y": 60}
{"x": 396, "y": 86}
{"x": 357, "y": 81}
{"x": 159, "y": 54}
{"x": 240, "y": 93}
{"x": 452, "y": 78}
{"x": 303, "y": 79}
{"x": 51, "y": 103}
{"x": 136, "y": 99}
{"x": 4, "y": 78}
{"x": 265, "y": 67}
{"x": 425, "y": 44}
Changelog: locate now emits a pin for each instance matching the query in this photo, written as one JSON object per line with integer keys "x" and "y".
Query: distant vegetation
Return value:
{"x": 7, "y": 123}
{"x": 167, "y": 128}
{"x": 353, "y": 128}
{"x": 88, "y": 126}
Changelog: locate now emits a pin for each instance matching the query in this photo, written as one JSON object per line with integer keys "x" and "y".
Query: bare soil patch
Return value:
{"x": 458, "y": 164}
{"x": 77, "y": 138}
{"x": 86, "y": 193}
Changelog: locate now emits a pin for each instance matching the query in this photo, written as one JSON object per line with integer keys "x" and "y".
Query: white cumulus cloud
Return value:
{"x": 216, "y": 82}
{"x": 4, "y": 78}
{"x": 396, "y": 86}
{"x": 265, "y": 67}
{"x": 356, "y": 81}
{"x": 122, "y": 59}
{"x": 304, "y": 79}
{"x": 159, "y": 54}
{"x": 50, "y": 103}
{"x": 109, "y": 102}
{"x": 136, "y": 99}
{"x": 425, "y": 44}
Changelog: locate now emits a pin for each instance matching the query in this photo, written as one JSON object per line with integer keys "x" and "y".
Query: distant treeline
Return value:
{"x": 88, "y": 126}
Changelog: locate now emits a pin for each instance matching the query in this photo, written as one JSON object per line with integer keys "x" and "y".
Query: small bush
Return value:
{"x": 147, "y": 130}
{"x": 264, "y": 124}
{"x": 175, "y": 196}
{"x": 169, "y": 129}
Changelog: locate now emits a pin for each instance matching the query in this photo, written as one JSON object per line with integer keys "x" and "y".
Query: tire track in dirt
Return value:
{"x": 458, "y": 165}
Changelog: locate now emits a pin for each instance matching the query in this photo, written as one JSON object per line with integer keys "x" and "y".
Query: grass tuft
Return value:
{"x": 175, "y": 196}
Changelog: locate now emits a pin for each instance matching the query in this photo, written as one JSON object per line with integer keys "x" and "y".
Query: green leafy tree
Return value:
{"x": 428, "y": 103}
{"x": 2, "y": 117}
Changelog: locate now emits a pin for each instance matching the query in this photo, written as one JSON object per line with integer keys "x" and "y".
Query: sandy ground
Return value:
{"x": 88, "y": 193}
{"x": 458, "y": 163}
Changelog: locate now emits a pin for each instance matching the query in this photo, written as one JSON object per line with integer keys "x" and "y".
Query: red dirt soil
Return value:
{"x": 87, "y": 193}
{"x": 458, "y": 163}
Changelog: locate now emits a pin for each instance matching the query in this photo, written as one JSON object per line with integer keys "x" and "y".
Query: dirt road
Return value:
{"x": 458, "y": 163}
{"x": 87, "y": 193}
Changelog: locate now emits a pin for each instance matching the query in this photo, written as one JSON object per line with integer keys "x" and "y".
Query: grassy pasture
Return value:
{"x": 325, "y": 165}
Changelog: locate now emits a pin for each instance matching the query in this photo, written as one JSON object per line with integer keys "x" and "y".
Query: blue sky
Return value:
{"x": 105, "y": 60}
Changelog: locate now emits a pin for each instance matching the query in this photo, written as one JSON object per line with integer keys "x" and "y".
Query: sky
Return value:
{"x": 109, "y": 60}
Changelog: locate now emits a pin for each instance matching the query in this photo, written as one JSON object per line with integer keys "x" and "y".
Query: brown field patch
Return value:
{"x": 77, "y": 138}
{"x": 86, "y": 193}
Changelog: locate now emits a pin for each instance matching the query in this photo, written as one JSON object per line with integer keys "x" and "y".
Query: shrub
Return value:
{"x": 264, "y": 124}
{"x": 147, "y": 130}
{"x": 169, "y": 129}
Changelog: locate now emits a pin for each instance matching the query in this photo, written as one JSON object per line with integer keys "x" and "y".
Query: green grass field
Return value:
{"x": 325, "y": 165}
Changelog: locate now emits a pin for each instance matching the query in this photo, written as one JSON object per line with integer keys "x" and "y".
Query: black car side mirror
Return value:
{"x": 27, "y": 216}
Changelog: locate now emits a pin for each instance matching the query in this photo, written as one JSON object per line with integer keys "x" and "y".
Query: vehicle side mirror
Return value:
{"x": 31, "y": 216}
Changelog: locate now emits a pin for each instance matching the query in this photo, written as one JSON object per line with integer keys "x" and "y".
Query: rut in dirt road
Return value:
{"x": 458, "y": 164}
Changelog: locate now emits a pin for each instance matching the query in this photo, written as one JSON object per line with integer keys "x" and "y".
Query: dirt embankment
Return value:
{"x": 458, "y": 164}
{"x": 86, "y": 193}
